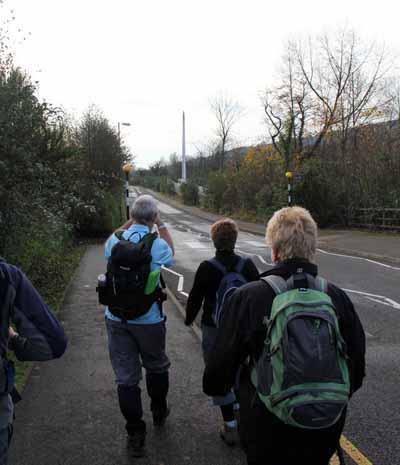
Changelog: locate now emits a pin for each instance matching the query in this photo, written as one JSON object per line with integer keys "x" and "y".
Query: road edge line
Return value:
{"x": 181, "y": 310}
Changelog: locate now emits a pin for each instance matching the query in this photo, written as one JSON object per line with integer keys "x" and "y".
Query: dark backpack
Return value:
{"x": 232, "y": 279}
{"x": 130, "y": 287}
{"x": 302, "y": 375}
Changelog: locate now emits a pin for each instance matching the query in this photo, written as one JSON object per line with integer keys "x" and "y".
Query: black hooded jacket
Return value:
{"x": 242, "y": 332}
{"x": 265, "y": 438}
{"x": 207, "y": 281}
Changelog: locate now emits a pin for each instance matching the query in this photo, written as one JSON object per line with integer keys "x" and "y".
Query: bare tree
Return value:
{"x": 329, "y": 85}
{"x": 227, "y": 112}
{"x": 286, "y": 108}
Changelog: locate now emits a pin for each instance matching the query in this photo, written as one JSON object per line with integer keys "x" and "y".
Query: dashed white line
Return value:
{"x": 375, "y": 297}
{"x": 255, "y": 244}
{"x": 384, "y": 265}
{"x": 198, "y": 245}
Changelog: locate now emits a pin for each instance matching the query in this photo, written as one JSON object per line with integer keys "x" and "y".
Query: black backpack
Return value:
{"x": 130, "y": 288}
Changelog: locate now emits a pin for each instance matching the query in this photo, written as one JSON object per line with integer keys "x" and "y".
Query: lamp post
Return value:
{"x": 127, "y": 168}
{"x": 119, "y": 132}
{"x": 289, "y": 176}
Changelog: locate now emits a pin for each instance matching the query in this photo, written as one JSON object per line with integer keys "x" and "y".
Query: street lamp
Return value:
{"x": 127, "y": 168}
{"x": 289, "y": 176}
{"x": 119, "y": 130}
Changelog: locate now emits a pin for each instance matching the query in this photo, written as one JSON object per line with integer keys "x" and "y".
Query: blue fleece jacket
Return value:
{"x": 41, "y": 336}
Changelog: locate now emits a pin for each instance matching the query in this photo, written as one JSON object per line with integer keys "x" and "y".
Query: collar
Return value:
{"x": 224, "y": 253}
{"x": 142, "y": 228}
{"x": 292, "y": 266}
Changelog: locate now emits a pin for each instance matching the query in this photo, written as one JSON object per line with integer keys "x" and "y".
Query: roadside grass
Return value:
{"x": 54, "y": 294}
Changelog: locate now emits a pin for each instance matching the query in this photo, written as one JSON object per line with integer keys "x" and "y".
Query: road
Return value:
{"x": 373, "y": 425}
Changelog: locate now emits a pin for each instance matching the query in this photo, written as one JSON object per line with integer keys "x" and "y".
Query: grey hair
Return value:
{"x": 144, "y": 210}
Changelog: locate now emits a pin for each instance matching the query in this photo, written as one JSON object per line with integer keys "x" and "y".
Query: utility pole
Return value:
{"x": 289, "y": 176}
{"x": 183, "y": 149}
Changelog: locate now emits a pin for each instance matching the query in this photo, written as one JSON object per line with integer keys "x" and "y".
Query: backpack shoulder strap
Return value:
{"x": 240, "y": 265}
{"x": 321, "y": 284}
{"x": 119, "y": 234}
{"x": 218, "y": 265}
{"x": 149, "y": 238}
{"x": 278, "y": 284}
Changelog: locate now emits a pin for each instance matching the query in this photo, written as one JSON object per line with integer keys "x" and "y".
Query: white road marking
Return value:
{"x": 255, "y": 244}
{"x": 262, "y": 260}
{"x": 360, "y": 258}
{"x": 375, "y": 297}
{"x": 197, "y": 245}
{"x": 168, "y": 210}
{"x": 181, "y": 279}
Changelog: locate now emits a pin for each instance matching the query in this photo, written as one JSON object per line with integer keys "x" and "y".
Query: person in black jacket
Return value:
{"x": 206, "y": 283}
{"x": 292, "y": 235}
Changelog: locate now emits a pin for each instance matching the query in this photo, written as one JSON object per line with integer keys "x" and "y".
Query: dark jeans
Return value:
{"x": 131, "y": 347}
{"x": 268, "y": 441}
{"x": 209, "y": 335}
{"x": 6, "y": 417}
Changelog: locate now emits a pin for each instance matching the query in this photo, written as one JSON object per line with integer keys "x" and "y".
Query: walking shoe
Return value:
{"x": 229, "y": 434}
{"x": 136, "y": 444}
{"x": 160, "y": 416}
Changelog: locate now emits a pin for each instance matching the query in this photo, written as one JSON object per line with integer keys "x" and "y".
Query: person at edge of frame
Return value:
{"x": 206, "y": 283}
{"x": 141, "y": 341}
{"x": 38, "y": 336}
{"x": 292, "y": 235}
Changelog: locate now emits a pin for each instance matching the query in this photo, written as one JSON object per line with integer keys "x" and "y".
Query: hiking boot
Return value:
{"x": 160, "y": 416}
{"x": 229, "y": 434}
{"x": 136, "y": 444}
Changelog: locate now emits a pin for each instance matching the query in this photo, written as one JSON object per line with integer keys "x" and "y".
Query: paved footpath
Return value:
{"x": 70, "y": 416}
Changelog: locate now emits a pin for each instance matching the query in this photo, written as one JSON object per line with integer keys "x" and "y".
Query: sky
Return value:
{"x": 144, "y": 62}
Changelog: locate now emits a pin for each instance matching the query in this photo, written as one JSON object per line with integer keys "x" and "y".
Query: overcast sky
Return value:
{"x": 143, "y": 62}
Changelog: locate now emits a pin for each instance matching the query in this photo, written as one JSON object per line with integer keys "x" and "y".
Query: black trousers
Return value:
{"x": 268, "y": 441}
{"x": 130, "y": 401}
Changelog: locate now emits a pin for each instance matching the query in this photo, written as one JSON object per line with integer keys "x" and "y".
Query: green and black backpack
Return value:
{"x": 130, "y": 287}
{"x": 302, "y": 375}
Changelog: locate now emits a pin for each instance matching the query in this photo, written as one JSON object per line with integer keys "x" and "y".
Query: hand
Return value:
{"x": 157, "y": 221}
{"x": 11, "y": 332}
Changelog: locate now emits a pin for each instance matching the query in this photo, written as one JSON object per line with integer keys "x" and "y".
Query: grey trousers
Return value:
{"x": 6, "y": 418}
{"x": 209, "y": 334}
{"x": 131, "y": 348}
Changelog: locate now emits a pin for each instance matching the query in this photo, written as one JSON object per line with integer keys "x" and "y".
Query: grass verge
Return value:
{"x": 53, "y": 294}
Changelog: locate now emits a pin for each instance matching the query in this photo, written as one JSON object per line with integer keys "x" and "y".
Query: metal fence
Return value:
{"x": 376, "y": 218}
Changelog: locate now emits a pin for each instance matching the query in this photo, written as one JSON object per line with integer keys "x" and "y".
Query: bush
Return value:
{"x": 99, "y": 217}
{"x": 216, "y": 188}
{"x": 167, "y": 186}
{"x": 190, "y": 194}
{"x": 319, "y": 194}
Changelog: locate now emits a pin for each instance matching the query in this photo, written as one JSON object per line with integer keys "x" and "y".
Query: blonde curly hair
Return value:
{"x": 292, "y": 232}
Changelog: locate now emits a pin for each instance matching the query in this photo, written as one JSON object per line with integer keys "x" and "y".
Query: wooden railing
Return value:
{"x": 376, "y": 218}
